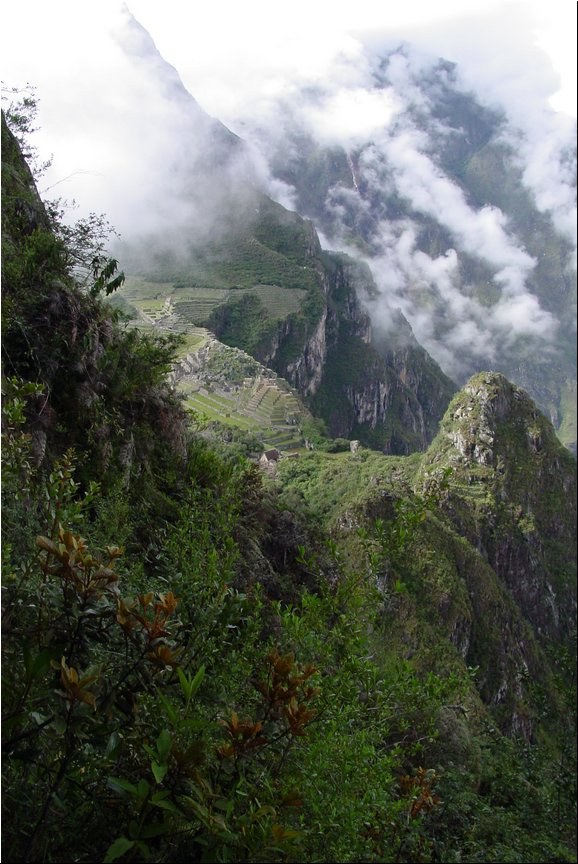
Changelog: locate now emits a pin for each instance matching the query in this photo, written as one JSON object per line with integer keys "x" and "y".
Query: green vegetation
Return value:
{"x": 243, "y": 323}
{"x": 265, "y": 249}
{"x": 203, "y": 665}
{"x": 567, "y": 431}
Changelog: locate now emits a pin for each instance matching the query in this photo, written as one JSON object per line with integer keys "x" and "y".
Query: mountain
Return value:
{"x": 429, "y": 186}
{"x": 489, "y": 563}
{"x": 364, "y": 657}
{"x": 509, "y": 472}
{"x": 256, "y": 275}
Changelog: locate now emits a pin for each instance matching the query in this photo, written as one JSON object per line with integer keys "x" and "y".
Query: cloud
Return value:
{"x": 499, "y": 59}
{"x": 347, "y": 116}
{"x": 458, "y": 330}
{"x": 479, "y": 232}
{"x": 392, "y": 136}
{"x": 130, "y": 134}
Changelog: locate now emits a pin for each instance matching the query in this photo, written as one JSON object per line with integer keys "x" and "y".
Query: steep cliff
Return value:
{"x": 236, "y": 242}
{"x": 381, "y": 388}
{"x": 474, "y": 545}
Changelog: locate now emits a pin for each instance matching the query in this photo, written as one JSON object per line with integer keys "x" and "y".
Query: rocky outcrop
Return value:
{"x": 511, "y": 489}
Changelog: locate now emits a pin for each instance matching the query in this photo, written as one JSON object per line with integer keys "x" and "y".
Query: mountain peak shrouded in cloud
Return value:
{"x": 137, "y": 43}
{"x": 202, "y": 175}
{"x": 432, "y": 153}
{"x": 392, "y": 174}
{"x": 398, "y": 160}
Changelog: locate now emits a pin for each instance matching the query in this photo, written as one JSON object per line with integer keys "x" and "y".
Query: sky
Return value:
{"x": 109, "y": 129}
{"x": 233, "y": 55}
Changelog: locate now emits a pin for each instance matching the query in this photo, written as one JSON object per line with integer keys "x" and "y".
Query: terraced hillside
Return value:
{"x": 180, "y": 305}
{"x": 226, "y": 385}
{"x": 222, "y": 385}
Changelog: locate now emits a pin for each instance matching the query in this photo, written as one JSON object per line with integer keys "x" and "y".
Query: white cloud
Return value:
{"x": 122, "y": 143}
{"x": 347, "y": 116}
{"x": 458, "y": 330}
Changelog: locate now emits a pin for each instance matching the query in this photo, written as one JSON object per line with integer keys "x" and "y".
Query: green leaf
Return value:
{"x": 164, "y": 804}
{"x": 159, "y": 795}
{"x": 185, "y": 683}
{"x": 164, "y": 744}
{"x": 197, "y": 681}
{"x": 112, "y": 745}
{"x": 266, "y": 810}
{"x": 159, "y": 771}
{"x": 39, "y": 663}
{"x": 143, "y": 788}
{"x": 120, "y": 785}
{"x": 169, "y": 708}
{"x": 117, "y": 849}
{"x": 199, "y": 811}
{"x": 190, "y": 686}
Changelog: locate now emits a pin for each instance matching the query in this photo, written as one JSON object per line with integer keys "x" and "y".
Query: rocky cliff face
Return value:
{"x": 386, "y": 391}
{"x": 487, "y": 563}
{"x": 379, "y": 387}
{"x": 472, "y": 546}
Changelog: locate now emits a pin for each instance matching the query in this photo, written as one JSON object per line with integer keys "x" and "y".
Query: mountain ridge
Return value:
{"x": 267, "y": 243}
{"x": 393, "y": 194}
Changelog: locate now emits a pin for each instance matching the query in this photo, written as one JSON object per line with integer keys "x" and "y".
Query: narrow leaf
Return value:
{"x": 143, "y": 788}
{"x": 164, "y": 744}
{"x": 197, "y": 681}
{"x": 112, "y": 745}
{"x": 120, "y": 785}
{"x": 170, "y": 710}
{"x": 167, "y": 805}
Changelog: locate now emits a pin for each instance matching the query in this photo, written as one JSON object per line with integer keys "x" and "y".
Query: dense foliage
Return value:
{"x": 194, "y": 667}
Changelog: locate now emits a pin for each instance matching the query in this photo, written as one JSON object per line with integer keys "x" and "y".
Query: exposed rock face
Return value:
{"x": 326, "y": 350}
{"x": 385, "y": 390}
{"x": 461, "y": 596}
{"x": 307, "y": 371}
{"x": 512, "y": 492}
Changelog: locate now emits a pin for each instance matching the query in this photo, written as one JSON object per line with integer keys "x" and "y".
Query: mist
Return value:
{"x": 380, "y": 105}
{"x": 130, "y": 140}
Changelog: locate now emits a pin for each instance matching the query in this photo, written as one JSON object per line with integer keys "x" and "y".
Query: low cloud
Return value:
{"x": 143, "y": 139}
{"x": 392, "y": 146}
{"x": 458, "y": 330}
